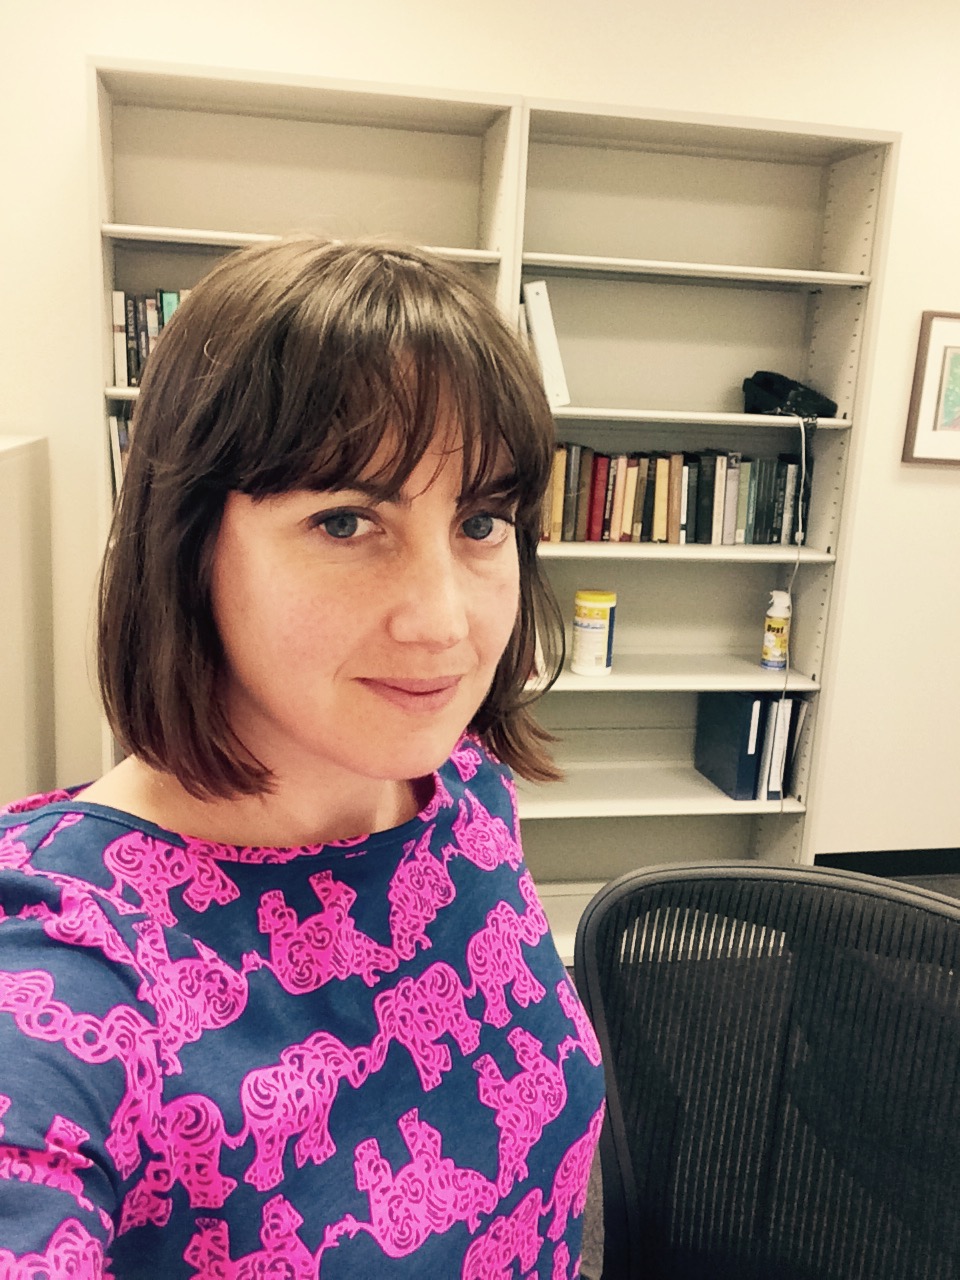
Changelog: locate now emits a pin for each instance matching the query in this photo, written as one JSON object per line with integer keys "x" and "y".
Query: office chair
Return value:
{"x": 782, "y": 1049}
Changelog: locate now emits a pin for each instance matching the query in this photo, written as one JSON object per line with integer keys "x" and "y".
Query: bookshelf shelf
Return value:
{"x": 703, "y": 272}
{"x": 637, "y": 789}
{"x": 681, "y": 418}
{"x": 692, "y": 672}
{"x": 188, "y": 237}
{"x": 688, "y": 551}
{"x": 682, "y": 253}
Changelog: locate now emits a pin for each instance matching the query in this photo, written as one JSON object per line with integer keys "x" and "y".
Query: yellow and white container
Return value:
{"x": 594, "y": 613}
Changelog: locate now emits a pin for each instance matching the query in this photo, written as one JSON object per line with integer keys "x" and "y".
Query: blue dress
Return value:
{"x": 354, "y": 1059}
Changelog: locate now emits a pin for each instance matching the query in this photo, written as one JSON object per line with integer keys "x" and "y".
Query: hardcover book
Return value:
{"x": 728, "y": 740}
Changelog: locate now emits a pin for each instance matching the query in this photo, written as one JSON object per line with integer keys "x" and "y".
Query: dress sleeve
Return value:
{"x": 78, "y": 1075}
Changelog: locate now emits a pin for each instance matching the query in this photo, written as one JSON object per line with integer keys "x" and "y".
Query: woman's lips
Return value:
{"x": 416, "y": 695}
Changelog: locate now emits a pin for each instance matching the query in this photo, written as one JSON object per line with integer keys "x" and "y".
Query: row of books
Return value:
{"x": 138, "y": 319}
{"x": 719, "y": 496}
{"x": 119, "y": 427}
{"x": 746, "y": 742}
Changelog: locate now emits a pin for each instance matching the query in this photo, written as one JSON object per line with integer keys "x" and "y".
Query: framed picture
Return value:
{"x": 933, "y": 423}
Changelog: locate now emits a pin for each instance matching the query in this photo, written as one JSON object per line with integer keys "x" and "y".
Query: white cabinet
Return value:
{"x": 681, "y": 255}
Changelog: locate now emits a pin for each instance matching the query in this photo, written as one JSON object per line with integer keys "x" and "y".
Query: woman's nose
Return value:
{"x": 431, "y": 600}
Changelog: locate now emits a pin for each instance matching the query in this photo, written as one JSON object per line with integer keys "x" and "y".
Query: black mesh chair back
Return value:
{"x": 782, "y": 1048}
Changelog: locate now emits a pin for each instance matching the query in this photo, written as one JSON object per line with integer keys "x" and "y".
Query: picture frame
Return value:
{"x": 933, "y": 420}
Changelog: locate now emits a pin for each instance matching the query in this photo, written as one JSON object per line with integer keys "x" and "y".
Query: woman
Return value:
{"x": 277, "y": 995}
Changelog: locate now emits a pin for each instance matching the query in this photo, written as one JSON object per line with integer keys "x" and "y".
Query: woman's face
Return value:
{"x": 361, "y": 634}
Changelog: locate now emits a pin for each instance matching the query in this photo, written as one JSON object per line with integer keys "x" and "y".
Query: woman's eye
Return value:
{"x": 484, "y": 527}
{"x": 341, "y": 525}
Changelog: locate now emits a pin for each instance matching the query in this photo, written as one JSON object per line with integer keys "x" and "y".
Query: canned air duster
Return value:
{"x": 593, "y": 618}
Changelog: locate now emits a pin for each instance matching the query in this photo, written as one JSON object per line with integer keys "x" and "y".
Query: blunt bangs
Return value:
{"x": 292, "y": 366}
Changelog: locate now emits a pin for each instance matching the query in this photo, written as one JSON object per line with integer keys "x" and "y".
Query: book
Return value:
{"x": 543, "y": 334}
{"x": 743, "y": 500}
{"x": 119, "y": 321}
{"x": 143, "y": 333}
{"x": 791, "y": 465}
{"x": 708, "y": 480}
{"x": 571, "y": 490}
{"x": 661, "y": 495}
{"x": 608, "y": 500}
{"x": 649, "y": 497}
{"x": 119, "y": 431}
{"x": 583, "y": 494}
{"x": 731, "y": 498}
{"x": 557, "y": 485}
{"x": 766, "y": 477}
{"x": 803, "y": 505}
{"x": 133, "y": 344}
{"x": 684, "y": 495}
{"x": 630, "y": 497}
{"x": 727, "y": 744}
{"x": 674, "y": 496}
{"x": 169, "y": 300}
{"x": 152, "y": 314}
{"x": 643, "y": 469}
{"x": 598, "y": 494}
{"x": 773, "y": 754}
{"x": 719, "y": 499}
{"x": 750, "y": 527}
{"x": 693, "y": 495}
{"x": 619, "y": 495}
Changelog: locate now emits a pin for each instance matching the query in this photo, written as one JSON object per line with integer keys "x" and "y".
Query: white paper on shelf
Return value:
{"x": 544, "y": 335}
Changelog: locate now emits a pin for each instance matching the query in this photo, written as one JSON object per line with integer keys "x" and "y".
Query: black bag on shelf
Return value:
{"x": 775, "y": 393}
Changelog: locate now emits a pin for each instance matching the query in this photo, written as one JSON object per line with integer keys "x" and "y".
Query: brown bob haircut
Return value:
{"x": 285, "y": 369}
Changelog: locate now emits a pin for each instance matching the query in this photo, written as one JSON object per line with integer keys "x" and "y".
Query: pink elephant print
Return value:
{"x": 282, "y": 1255}
{"x": 417, "y": 1013}
{"x": 71, "y": 1251}
{"x": 585, "y": 1038}
{"x": 293, "y": 1099}
{"x": 525, "y": 1104}
{"x": 427, "y": 1196}
{"x": 152, "y": 868}
{"x": 187, "y": 1148}
{"x": 482, "y": 838}
{"x": 513, "y": 1238}
{"x": 420, "y": 887}
{"x": 495, "y": 958}
{"x": 568, "y": 1196}
{"x": 55, "y": 1166}
{"x": 191, "y": 995}
{"x": 305, "y": 955}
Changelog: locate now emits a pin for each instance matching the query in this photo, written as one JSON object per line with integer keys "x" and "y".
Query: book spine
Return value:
{"x": 674, "y": 496}
{"x": 789, "y": 502}
{"x": 619, "y": 496}
{"x": 608, "y": 500}
{"x": 731, "y": 497}
{"x": 119, "y": 323}
{"x": 544, "y": 335}
{"x": 693, "y": 495}
{"x": 571, "y": 489}
{"x": 743, "y": 497}
{"x": 630, "y": 498}
{"x": 557, "y": 484}
{"x": 719, "y": 500}
{"x": 708, "y": 477}
{"x": 583, "y": 494}
{"x": 133, "y": 345}
{"x": 598, "y": 493}
{"x": 661, "y": 498}
{"x": 643, "y": 469}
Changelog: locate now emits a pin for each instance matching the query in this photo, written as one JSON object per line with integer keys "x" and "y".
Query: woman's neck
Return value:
{"x": 289, "y": 816}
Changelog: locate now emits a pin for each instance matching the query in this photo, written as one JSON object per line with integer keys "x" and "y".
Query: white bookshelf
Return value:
{"x": 681, "y": 254}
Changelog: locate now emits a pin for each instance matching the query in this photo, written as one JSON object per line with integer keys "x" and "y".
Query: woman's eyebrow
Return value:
{"x": 497, "y": 486}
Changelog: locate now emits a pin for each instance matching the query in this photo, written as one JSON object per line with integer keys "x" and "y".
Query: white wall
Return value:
{"x": 893, "y": 753}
